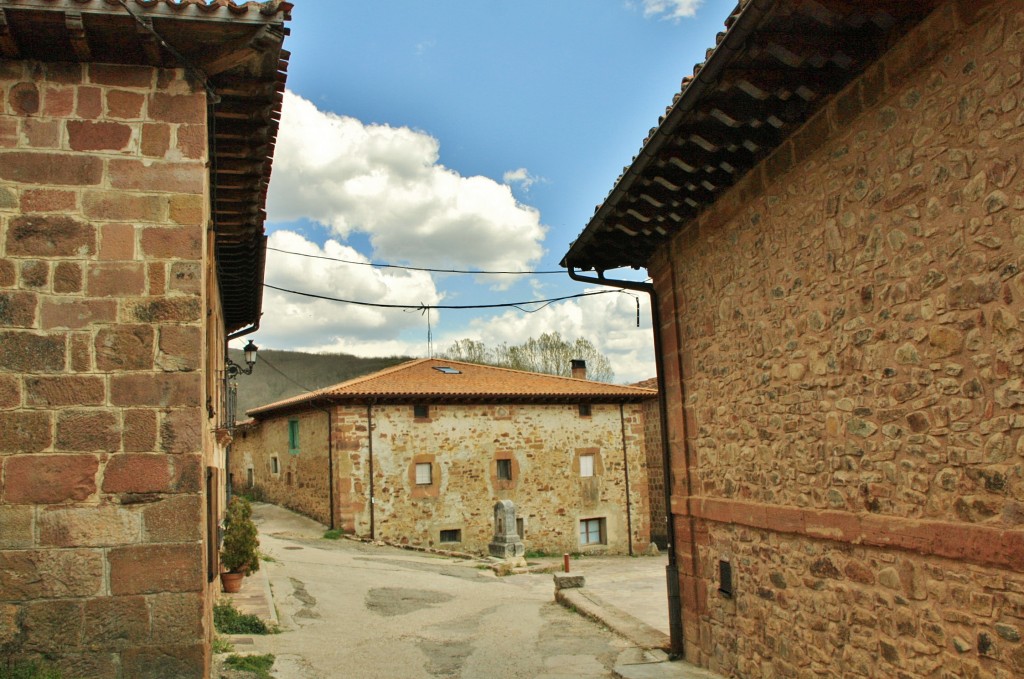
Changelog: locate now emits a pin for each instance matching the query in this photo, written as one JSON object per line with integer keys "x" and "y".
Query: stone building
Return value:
{"x": 653, "y": 449}
{"x": 831, "y": 214}
{"x": 419, "y": 453}
{"x": 135, "y": 146}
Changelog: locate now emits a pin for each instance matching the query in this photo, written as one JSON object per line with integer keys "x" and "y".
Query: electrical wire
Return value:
{"x": 417, "y": 268}
{"x": 422, "y": 307}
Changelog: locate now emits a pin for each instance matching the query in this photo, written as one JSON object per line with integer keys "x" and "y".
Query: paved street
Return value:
{"x": 350, "y": 609}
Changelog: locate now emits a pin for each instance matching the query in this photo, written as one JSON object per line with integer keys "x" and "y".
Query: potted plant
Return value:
{"x": 238, "y": 554}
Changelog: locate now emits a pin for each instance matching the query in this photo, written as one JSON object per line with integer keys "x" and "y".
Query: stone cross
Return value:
{"x": 506, "y": 543}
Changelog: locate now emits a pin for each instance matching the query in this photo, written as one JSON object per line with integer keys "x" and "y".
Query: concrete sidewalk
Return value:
{"x": 626, "y": 595}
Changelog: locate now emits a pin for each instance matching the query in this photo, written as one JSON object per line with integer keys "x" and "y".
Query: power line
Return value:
{"x": 417, "y": 268}
{"x": 422, "y": 307}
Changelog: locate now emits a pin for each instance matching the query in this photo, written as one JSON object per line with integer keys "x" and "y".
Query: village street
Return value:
{"x": 349, "y": 609}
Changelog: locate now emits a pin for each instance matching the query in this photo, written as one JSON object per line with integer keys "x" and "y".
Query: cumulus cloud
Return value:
{"x": 386, "y": 182}
{"x": 293, "y": 321}
{"x": 672, "y": 10}
{"x": 522, "y": 177}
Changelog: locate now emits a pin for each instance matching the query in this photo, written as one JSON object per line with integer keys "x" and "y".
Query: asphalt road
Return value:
{"x": 364, "y": 611}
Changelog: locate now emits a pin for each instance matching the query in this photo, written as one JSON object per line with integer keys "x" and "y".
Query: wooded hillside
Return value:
{"x": 297, "y": 372}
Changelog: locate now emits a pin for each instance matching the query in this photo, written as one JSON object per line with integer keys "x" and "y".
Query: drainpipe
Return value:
{"x": 369, "y": 438}
{"x": 625, "y": 466}
{"x": 675, "y": 607}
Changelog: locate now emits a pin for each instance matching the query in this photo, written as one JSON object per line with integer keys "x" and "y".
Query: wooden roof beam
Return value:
{"x": 76, "y": 35}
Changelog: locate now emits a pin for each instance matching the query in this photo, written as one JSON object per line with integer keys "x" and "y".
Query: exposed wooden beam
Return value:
{"x": 8, "y": 45}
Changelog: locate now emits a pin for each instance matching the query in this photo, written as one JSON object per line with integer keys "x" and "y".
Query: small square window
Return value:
{"x": 424, "y": 473}
{"x": 452, "y": 535}
{"x": 592, "y": 532}
{"x": 586, "y": 465}
{"x": 725, "y": 578}
{"x": 250, "y": 477}
{"x": 275, "y": 467}
{"x": 504, "y": 470}
{"x": 421, "y": 412}
{"x": 584, "y": 410}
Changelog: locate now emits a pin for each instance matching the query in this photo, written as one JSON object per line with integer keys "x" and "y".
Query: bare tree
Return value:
{"x": 549, "y": 353}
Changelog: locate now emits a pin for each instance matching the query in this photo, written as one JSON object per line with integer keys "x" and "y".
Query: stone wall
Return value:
{"x": 102, "y": 341}
{"x": 848, "y": 325}
{"x": 464, "y": 442}
{"x": 655, "y": 472}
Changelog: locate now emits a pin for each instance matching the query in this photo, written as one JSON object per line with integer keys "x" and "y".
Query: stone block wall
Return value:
{"x": 103, "y": 205}
{"x": 655, "y": 471}
{"x": 463, "y": 442}
{"x": 848, "y": 323}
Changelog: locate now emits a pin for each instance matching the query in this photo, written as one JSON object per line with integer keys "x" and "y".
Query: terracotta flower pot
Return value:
{"x": 231, "y": 582}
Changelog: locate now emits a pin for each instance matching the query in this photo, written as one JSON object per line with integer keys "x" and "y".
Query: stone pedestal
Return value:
{"x": 506, "y": 543}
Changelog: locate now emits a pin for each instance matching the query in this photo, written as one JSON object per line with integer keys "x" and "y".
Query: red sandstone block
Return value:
{"x": 181, "y": 431}
{"x": 179, "y": 242}
{"x": 154, "y": 569}
{"x": 22, "y": 351}
{"x": 120, "y": 206}
{"x": 47, "y": 200}
{"x": 786, "y": 519}
{"x": 158, "y": 176}
{"x": 64, "y": 390}
{"x": 186, "y": 278}
{"x": 49, "y": 236}
{"x": 156, "y": 389}
{"x": 35, "y": 274}
{"x": 24, "y": 99}
{"x": 177, "y": 518}
{"x": 124, "y": 104}
{"x": 91, "y": 525}
{"x": 188, "y": 474}
{"x": 125, "y": 347}
{"x": 120, "y": 75}
{"x": 58, "y": 102}
{"x": 180, "y": 662}
{"x": 49, "y": 479}
{"x": 50, "y": 626}
{"x": 116, "y": 279}
{"x": 50, "y": 168}
{"x": 8, "y": 273}
{"x": 77, "y": 313}
{"x": 90, "y": 103}
{"x": 156, "y": 140}
{"x": 63, "y": 73}
{"x": 192, "y": 141}
{"x": 24, "y": 431}
{"x": 178, "y": 309}
{"x": 18, "y": 309}
{"x": 156, "y": 274}
{"x": 140, "y": 429}
{"x": 188, "y": 210}
{"x": 81, "y": 355}
{"x": 27, "y": 575}
{"x": 10, "y": 391}
{"x": 117, "y": 241}
{"x": 185, "y": 108}
{"x": 119, "y": 622}
{"x": 41, "y": 134}
{"x": 137, "y": 473}
{"x": 8, "y": 133}
{"x": 178, "y": 617}
{"x": 88, "y": 135}
{"x": 832, "y": 525}
{"x": 88, "y": 431}
{"x": 180, "y": 347}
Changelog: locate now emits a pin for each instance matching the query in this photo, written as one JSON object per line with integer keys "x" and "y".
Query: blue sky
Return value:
{"x": 463, "y": 134}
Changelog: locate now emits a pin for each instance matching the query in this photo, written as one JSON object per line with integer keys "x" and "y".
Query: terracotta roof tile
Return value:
{"x": 422, "y": 379}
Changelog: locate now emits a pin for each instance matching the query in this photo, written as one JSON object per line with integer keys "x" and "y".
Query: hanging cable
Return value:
{"x": 417, "y": 268}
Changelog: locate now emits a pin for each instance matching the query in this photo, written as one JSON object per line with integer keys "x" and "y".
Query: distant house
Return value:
{"x": 135, "y": 149}
{"x": 830, "y": 212}
{"x": 419, "y": 454}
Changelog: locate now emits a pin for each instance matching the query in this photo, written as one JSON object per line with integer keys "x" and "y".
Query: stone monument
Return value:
{"x": 506, "y": 543}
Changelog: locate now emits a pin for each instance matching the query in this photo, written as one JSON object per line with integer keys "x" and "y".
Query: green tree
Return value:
{"x": 549, "y": 353}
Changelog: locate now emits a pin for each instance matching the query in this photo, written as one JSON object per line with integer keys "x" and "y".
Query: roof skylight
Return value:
{"x": 447, "y": 370}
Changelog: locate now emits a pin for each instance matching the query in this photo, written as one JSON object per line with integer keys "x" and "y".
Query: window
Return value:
{"x": 504, "y": 470}
{"x": 586, "y": 465}
{"x": 293, "y": 437}
{"x": 421, "y": 412}
{"x": 453, "y": 535}
{"x": 584, "y": 410}
{"x": 275, "y": 467}
{"x": 249, "y": 477}
{"x": 424, "y": 473}
{"x": 725, "y": 578}
{"x": 592, "y": 532}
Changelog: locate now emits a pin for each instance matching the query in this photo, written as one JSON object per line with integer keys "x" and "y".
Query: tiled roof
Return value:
{"x": 649, "y": 383}
{"x": 421, "y": 380}
{"x": 238, "y": 47}
{"x": 776, "y": 64}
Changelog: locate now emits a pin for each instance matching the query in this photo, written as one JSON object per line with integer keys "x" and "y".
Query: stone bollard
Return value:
{"x": 566, "y": 581}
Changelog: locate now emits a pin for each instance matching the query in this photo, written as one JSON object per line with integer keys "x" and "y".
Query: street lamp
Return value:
{"x": 233, "y": 369}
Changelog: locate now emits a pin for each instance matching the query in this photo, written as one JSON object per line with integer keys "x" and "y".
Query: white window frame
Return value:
{"x": 586, "y": 531}
{"x": 424, "y": 474}
{"x": 587, "y": 465}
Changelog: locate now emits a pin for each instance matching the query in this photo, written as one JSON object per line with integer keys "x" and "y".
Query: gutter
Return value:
{"x": 369, "y": 437}
{"x": 625, "y": 468}
{"x": 675, "y": 606}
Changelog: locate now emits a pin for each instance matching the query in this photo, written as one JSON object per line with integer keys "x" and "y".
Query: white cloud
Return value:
{"x": 673, "y": 10}
{"x": 608, "y": 321}
{"x": 297, "y": 322}
{"x": 387, "y": 182}
{"x": 522, "y": 177}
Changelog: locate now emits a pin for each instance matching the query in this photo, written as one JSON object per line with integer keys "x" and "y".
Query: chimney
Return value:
{"x": 579, "y": 369}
